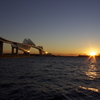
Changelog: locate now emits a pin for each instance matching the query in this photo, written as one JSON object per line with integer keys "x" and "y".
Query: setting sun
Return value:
{"x": 92, "y": 53}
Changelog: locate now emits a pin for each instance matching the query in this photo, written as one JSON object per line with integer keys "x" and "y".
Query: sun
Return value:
{"x": 92, "y": 53}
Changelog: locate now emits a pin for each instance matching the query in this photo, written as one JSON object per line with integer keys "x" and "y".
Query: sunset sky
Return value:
{"x": 65, "y": 27}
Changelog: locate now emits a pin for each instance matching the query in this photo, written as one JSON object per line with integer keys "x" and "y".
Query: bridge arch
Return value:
{"x": 25, "y": 46}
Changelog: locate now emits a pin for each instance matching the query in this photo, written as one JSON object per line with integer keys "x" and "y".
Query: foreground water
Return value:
{"x": 50, "y": 78}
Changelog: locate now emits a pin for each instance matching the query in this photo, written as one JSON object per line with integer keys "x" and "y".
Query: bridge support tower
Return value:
{"x": 1, "y": 48}
{"x": 40, "y": 52}
{"x": 14, "y": 50}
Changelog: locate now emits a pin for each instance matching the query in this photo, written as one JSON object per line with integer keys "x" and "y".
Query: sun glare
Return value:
{"x": 92, "y": 53}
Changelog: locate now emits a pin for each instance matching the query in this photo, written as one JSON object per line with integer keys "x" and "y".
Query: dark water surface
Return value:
{"x": 50, "y": 78}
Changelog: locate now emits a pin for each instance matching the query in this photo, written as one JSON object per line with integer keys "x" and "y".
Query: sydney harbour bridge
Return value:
{"x": 25, "y": 46}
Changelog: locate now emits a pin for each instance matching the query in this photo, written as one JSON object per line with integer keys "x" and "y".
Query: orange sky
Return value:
{"x": 71, "y": 27}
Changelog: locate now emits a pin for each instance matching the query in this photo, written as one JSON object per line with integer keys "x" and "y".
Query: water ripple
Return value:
{"x": 49, "y": 78}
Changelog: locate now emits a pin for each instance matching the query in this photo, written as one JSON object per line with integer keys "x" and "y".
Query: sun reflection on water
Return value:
{"x": 92, "y": 69}
{"x": 91, "y": 89}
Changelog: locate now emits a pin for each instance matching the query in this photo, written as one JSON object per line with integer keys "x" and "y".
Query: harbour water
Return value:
{"x": 50, "y": 78}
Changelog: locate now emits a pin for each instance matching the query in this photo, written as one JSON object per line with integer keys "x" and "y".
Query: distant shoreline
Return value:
{"x": 34, "y": 55}
{"x": 21, "y": 55}
{"x": 14, "y": 56}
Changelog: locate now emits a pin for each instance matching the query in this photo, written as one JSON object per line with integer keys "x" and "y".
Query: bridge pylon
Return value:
{"x": 40, "y": 52}
{"x": 1, "y": 48}
{"x": 14, "y": 50}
